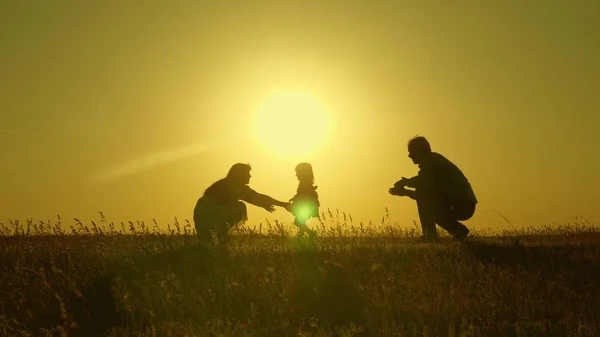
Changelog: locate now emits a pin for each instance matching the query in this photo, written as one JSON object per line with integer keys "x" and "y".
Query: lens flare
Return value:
{"x": 137, "y": 165}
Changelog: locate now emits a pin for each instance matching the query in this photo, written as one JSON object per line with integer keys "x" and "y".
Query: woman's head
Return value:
{"x": 304, "y": 172}
{"x": 240, "y": 173}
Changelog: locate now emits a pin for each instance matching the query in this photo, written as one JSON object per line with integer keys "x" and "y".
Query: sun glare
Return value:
{"x": 292, "y": 124}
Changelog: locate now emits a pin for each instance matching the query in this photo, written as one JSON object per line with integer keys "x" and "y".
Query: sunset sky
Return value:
{"x": 134, "y": 109}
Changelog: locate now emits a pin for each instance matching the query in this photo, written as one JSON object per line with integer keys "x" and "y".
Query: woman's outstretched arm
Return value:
{"x": 263, "y": 200}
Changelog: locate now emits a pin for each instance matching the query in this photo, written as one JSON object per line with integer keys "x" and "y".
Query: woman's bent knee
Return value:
{"x": 240, "y": 205}
{"x": 240, "y": 210}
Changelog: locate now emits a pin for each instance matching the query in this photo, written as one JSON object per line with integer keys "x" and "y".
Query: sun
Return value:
{"x": 292, "y": 124}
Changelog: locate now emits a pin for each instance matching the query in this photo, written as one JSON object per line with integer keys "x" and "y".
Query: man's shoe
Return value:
{"x": 462, "y": 235}
{"x": 429, "y": 238}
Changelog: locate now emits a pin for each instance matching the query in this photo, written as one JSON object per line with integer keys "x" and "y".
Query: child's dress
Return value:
{"x": 305, "y": 204}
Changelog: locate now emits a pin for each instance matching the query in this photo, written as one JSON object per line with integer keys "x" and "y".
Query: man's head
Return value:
{"x": 240, "y": 173}
{"x": 418, "y": 148}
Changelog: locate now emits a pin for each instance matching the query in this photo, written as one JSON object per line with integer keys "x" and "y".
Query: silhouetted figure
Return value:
{"x": 305, "y": 204}
{"x": 443, "y": 193}
{"x": 221, "y": 206}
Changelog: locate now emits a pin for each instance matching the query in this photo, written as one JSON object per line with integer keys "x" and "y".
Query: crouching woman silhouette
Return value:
{"x": 222, "y": 207}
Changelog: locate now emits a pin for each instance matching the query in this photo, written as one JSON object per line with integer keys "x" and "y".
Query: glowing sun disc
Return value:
{"x": 292, "y": 124}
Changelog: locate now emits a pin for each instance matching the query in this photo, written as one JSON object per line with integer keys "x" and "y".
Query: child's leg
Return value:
{"x": 303, "y": 227}
{"x": 300, "y": 224}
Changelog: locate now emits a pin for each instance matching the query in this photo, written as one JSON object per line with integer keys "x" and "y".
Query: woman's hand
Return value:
{"x": 269, "y": 208}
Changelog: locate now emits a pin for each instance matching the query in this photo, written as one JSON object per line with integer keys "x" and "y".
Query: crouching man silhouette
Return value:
{"x": 443, "y": 194}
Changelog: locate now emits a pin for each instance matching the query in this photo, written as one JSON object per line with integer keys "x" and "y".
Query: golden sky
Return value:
{"x": 134, "y": 109}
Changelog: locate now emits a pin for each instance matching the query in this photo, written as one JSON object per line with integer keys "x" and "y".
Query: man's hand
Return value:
{"x": 399, "y": 187}
{"x": 403, "y": 192}
{"x": 401, "y": 183}
{"x": 398, "y": 191}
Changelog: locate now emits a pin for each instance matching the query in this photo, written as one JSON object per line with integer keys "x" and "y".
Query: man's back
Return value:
{"x": 447, "y": 177}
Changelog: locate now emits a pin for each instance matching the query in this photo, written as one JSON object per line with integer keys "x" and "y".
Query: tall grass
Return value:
{"x": 373, "y": 279}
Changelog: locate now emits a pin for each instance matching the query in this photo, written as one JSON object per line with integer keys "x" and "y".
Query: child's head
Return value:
{"x": 304, "y": 172}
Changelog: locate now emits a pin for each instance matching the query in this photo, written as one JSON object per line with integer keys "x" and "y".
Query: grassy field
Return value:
{"x": 355, "y": 280}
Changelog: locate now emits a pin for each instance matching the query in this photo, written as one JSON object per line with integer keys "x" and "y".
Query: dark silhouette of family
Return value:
{"x": 443, "y": 195}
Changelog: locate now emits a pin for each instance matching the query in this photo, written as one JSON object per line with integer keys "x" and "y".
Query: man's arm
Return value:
{"x": 425, "y": 179}
{"x": 411, "y": 194}
{"x": 406, "y": 182}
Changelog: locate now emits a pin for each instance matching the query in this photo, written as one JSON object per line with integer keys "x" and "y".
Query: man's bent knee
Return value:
{"x": 464, "y": 211}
